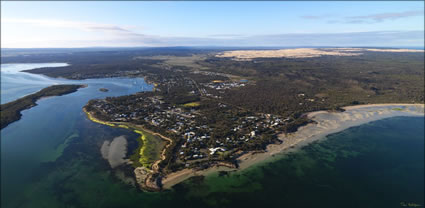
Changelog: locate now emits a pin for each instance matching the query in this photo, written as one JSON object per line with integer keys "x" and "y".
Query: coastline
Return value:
{"x": 325, "y": 123}
{"x": 143, "y": 175}
{"x": 11, "y": 111}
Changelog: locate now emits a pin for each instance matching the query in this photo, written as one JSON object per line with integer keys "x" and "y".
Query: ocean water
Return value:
{"x": 379, "y": 164}
{"x": 51, "y": 158}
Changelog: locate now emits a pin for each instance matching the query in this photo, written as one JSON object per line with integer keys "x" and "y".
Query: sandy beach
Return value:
{"x": 325, "y": 123}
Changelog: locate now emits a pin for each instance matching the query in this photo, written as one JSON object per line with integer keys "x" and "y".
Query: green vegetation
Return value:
{"x": 397, "y": 109}
{"x": 149, "y": 146}
{"x": 11, "y": 112}
{"x": 148, "y": 151}
{"x": 201, "y": 103}
{"x": 331, "y": 81}
{"x": 327, "y": 82}
{"x": 192, "y": 104}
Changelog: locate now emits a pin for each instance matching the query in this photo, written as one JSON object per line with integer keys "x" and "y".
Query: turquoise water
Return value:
{"x": 51, "y": 158}
{"x": 380, "y": 164}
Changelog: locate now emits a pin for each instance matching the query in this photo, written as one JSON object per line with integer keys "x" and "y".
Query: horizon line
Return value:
{"x": 206, "y": 46}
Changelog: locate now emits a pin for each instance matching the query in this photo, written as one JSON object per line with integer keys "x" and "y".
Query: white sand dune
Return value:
{"x": 303, "y": 52}
{"x": 288, "y": 53}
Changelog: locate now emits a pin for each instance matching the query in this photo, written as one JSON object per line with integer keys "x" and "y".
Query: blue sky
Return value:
{"x": 129, "y": 24}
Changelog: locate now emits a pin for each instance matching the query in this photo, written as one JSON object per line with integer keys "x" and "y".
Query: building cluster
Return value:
{"x": 209, "y": 73}
{"x": 219, "y": 85}
{"x": 200, "y": 142}
{"x": 198, "y": 135}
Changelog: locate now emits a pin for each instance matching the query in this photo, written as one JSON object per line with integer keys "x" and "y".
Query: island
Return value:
{"x": 11, "y": 112}
{"x": 103, "y": 90}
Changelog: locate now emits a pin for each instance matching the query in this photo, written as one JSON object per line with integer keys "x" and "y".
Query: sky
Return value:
{"x": 53, "y": 24}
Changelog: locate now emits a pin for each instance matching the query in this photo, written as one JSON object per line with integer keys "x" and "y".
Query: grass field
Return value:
{"x": 192, "y": 104}
{"x": 149, "y": 149}
{"x": 397, "y": 109}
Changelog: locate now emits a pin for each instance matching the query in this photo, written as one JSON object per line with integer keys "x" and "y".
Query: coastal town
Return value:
{"x": 204, "y": 127}
{"x": 212, "y": 104}
{"x": 214, "y": 116}
{"x": 198, "y": 135}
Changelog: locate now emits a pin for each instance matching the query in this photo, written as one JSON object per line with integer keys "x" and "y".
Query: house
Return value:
{"x": 214, "y": 150}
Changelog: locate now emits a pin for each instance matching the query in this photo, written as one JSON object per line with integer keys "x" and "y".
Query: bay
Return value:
{"x": 51, "y": 158}
{"x": 45, "y": 131}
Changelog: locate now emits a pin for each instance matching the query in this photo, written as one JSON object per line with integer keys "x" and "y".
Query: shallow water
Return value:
{"x": 45, "y": 131}
{"x": 380, "y": 164}
{"x": 51, "y": 158}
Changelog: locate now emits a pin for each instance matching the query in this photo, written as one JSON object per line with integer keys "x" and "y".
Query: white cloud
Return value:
{"x": 365, "y": 19}
{"x": 86, "y": 26}
{"x": 124, "y": 36}
{"x": 80, "y": 33}
{"x": 388, "y": 16}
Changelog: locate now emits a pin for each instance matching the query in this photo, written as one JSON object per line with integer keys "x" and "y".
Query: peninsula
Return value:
{"x": 153, "y": 178}
{"x": 218, "y": 109}
{"x": 11, "y": 112}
